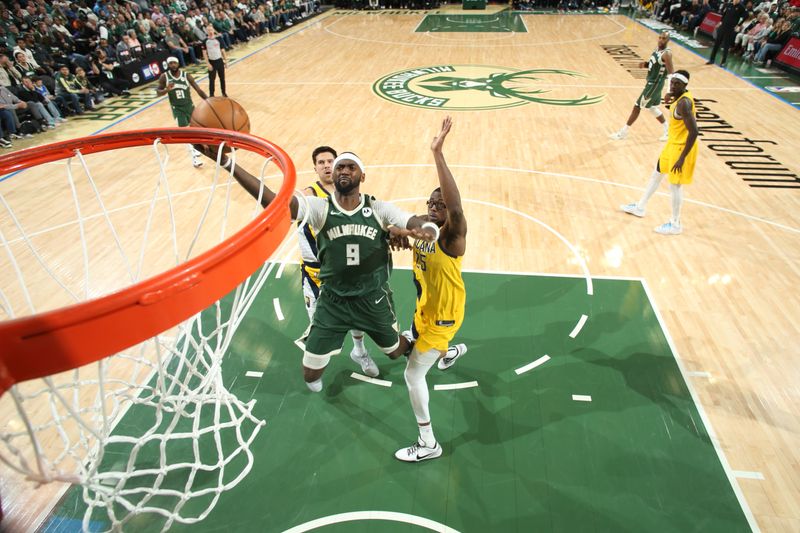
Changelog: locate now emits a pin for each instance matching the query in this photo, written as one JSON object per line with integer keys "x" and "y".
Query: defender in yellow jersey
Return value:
{"x": 323, "y": 157}
{"x": 441, "y": 298}
{"x": 678, "y": 156}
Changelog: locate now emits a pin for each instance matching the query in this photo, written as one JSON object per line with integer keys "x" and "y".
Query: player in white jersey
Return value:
{"x": 323, "y": 157}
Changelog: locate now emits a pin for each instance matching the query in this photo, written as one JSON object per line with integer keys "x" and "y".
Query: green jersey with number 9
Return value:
{"x": 353, "y": 251}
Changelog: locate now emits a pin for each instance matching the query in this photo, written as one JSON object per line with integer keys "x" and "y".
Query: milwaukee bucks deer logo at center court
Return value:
{"x": 475, "y": 87}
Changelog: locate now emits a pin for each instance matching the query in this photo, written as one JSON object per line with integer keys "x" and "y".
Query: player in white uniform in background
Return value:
{"x": 323, "y": 157}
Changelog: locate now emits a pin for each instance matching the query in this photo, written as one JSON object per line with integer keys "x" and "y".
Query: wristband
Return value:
{"x": 434, "y": 227}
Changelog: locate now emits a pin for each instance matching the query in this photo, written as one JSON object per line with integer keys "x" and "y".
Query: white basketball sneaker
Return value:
{"x": 453, "y": 353}
{"x": 668, "y": 228}
{"x": 368, "y": 366}
{"x": 418, "y": 452}
{"x": 631, "y": 209}
{"x": 618, "y": 135}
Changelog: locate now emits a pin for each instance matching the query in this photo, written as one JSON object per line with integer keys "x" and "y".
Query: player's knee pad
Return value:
{"x": 655, "y": 111}
{"x": 315, "y": 362}
{"x": 418, "y": 365}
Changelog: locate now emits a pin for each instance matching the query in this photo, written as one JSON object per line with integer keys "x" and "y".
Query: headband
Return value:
{"x": 681, "y": 77}
{"x": 351, "y": 156}
{"x": 171, "y": 59}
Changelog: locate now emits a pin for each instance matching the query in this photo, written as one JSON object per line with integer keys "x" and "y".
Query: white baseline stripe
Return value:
{"x": 579, "y": 326}
{"x": 253, "y": 374}
{"x": 530, "y": 366}
{"x": 453, "y": 386}
{"x": 371, "y": 515}
{"x": 277, "y": 303}
{"x": 361, "y": 377}
{"x": 581, "y": 397}
{"x": 751, "y": 520}
{"x": 743, "y": 474}
{"x": 699, "y": 374}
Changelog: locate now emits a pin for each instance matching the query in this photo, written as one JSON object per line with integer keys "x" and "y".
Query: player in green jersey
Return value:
{"x": 353, "y": 232}
{"x": 176, "y": 83}
{"x": 658, "y": 67}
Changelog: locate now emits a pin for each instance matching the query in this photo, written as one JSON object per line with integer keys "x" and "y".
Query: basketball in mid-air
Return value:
{"x": 220, "y": 112}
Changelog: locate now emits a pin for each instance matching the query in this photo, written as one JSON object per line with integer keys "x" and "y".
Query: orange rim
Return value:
{"x": 66, "y": 338}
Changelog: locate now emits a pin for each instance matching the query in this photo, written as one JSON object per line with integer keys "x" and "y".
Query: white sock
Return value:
{"x": 426, "y": 435}
{"x": 666, "y": 127}
{"x": 677, "y": 201}
{"x": 624, "y": 129}
{"x": 315, "y": 386}
{"x": 358, "y": 341}
{"x": 416, "y": 369}
{"x": 652, "y": 187}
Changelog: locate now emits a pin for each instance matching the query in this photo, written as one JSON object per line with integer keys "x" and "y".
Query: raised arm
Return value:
{"x": 454, "y": 230}
{"x": 249, "y": 183}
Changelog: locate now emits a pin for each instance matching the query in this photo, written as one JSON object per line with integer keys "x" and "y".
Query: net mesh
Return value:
{"x": 153, "y": 429}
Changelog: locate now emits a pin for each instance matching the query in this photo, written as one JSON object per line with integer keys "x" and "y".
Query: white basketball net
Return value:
{"x": 152, "y": 429}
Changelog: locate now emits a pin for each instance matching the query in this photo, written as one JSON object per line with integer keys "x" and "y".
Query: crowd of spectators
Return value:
{"x": 766, "y": 28}
{"x": 60, "y": 58}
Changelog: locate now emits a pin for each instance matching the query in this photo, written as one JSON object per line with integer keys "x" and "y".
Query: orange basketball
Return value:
{"x": 220, "y": 112}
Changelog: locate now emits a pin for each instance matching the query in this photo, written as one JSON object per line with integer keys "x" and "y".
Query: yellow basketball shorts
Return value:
{"x": 435, "y": 334}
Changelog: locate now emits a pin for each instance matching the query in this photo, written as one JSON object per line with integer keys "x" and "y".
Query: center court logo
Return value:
{"x": 477, "y": 87}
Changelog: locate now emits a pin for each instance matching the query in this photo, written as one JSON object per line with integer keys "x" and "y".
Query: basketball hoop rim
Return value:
{"x": 54, "y": 341}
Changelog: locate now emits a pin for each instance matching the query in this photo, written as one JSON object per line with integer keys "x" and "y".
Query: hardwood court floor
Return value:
{"x": 543, "y": 184}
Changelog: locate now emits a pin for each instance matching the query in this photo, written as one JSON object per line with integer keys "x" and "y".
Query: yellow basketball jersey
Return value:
{"x": 678, "y": 132}
{"x": 440, "y": 289}
{"x": 676, "y": 141}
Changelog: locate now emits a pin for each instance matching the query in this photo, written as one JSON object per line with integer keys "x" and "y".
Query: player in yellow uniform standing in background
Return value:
{"x": 678, "y": 156}
{"x": 440, "y": 299}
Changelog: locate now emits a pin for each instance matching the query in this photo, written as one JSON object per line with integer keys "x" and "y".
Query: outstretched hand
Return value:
{"x": 399, "y": 237}
{"x": 438, "y": 141}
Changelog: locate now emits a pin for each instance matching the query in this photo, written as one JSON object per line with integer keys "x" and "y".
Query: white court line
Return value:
{"x": 530, "y": 366}
{"x": 743, "y": 474}
{"x": 371, "y": 515}
{"x": 581, "y": 261}
{"x": 276, "y": 302}
{"x": 621, "y": 29}
{"x": 253, "y": 374}
{"x": 712, "y": 435}
{"x": 279, "y": 273}
{"x": 699, "y": 374}
{"x": 581, "y": 397}
{"x": 428, "y": 165}
{"x": 454, "y": 386}
{"x": 374, "y": 381}
{"x": 579, "y": 326}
